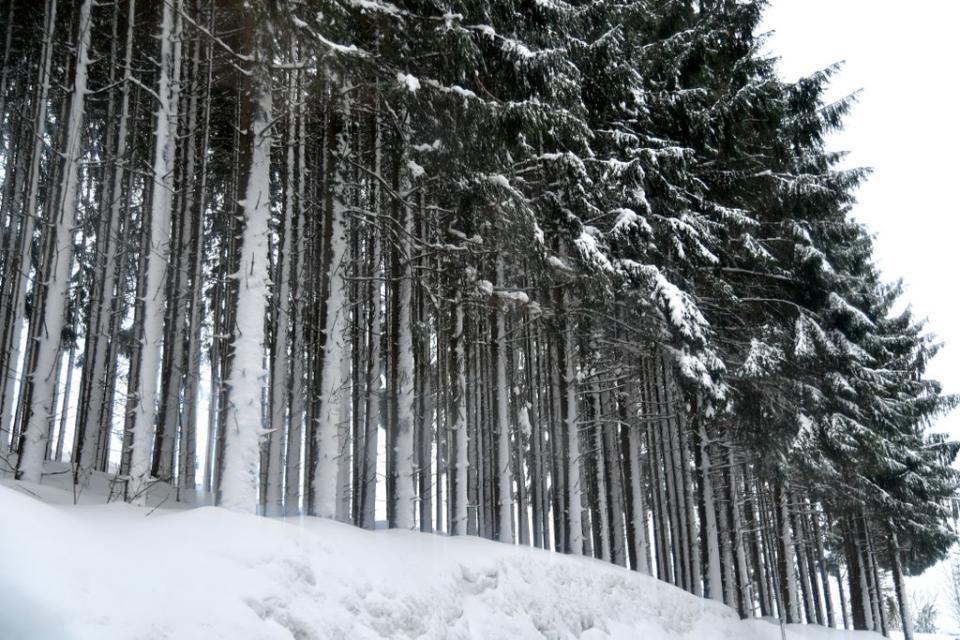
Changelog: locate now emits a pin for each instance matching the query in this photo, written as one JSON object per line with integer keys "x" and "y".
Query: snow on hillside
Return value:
{"x": 112, "y": 571}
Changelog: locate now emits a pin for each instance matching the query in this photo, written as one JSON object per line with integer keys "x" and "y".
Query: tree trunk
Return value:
{"x": 574, "y": 485}
{"x": 404, "y": 496}
{"x": 900, "y": 587}
{"x": 712, "y": 587}
{"x": 788, "y": 576}
{"x": 20, "y": 265}
{"x": 822, "y": 566}
{"x": 461, "y": 462}
{"x": 296, "y": 312}
{"x": 327, "y": 444}
{"x": 44, "y": 369}
{"x": 504, "y": 475}
{"x": 244, "y": 419}
{"x": 640, "y": 550}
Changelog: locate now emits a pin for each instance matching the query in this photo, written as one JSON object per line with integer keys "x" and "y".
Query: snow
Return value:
{"x": 376, "y": 7}
{"x": 499, "y": 181}
{"x": 415, "y": 169}
{"x": 587, "y": 244}
{"x": 485, "y": 287}
{"x": 679, "y": 308}
{"x": 840, "y": 306}
{"x": 538, "y": 235}
{"x": 116, "y": 572}
{"x": 761, "y": 359}
{"x": 423, "y": 147}
{"x": 408, "y": 82}
{"x": 516, "y": 297}
{"x": 627, "y": 221}
{"x": 803, "y": 343}
{"x": 457, "y": 89}
{"x": 508, "y": 44}
{"x": 558, "y": 263}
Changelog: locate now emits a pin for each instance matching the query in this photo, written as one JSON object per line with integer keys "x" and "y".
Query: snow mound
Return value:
{"x": 112, "y": 571}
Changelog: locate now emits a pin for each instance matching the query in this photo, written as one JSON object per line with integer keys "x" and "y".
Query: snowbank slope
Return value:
{"x": 108, "y": 572}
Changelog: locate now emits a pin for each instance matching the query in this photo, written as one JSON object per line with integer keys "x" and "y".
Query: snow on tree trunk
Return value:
{"x": 536, "y": 415}
{"x": 292, "y": 489}
{"x": 573, "y": 483}
{"x": 787, "y": 549}
{"x": 296, "y": 378}
{"x": 713, "y": 588}
{"x": 876, "y": 594}
{"x": 806, "y": 587}
{"x": 678, "y": 469}
{"x": 694, "y": 561}
{"x": 461, "y": 462}
{"x": 343, "y": 424}
{"x": 726, "y": 552}
{"x": 557, "y": 446}
{"x": 44, "y": 372}
{"x": 522, "y": 471}
{"x": 864, "y": 594}
{"x": 333, "y": 392}
{"x": 405, "y": 505}
{"x": 100, "y": 412}
{"x": 68, "y": 370}
{"x": 374, "y": 383}
{"x": 822, "y": 565}
{"x": 659, "y": 493}
{"x": 243, "y": 425}
{"x": 505, "y": 479}
{"x": 743, "y": 596}
{"x": 135, "y": 359}
{"x": 188, "y": 440}
{"x": 614, "y": 476}
{"x": 172, "y": 369}
{"x": 600, "y": 473}
{"x": 281, "y": 365}
{"x": 85, "y": 436}
{"x": 640, "y": 550}
{"x": 158, "y": 248}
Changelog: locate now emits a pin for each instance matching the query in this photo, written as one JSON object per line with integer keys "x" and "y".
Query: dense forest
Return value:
{"x": 580, "y": 275}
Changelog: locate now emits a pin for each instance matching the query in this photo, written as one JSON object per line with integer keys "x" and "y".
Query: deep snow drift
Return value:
{"x": 110, "y": 571}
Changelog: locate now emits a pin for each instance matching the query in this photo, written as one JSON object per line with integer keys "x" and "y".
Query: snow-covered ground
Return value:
{"x": 112, "y": 571}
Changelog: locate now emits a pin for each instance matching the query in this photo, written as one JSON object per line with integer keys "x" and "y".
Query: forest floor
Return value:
{"x": 112, "y": 571}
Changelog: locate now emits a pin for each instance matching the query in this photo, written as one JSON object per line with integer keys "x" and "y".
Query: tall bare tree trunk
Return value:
{"x": 243, "y": 424}
{"x": 20, "y": 266}
{"x": 44, "y": 371}
{"x": 333, "y": 392}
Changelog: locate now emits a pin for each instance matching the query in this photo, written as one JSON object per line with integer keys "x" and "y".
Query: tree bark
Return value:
{"x": 44, "y": 370}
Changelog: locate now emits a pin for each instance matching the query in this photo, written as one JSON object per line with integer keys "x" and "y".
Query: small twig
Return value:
{"x": 165, "y": 498}
{"x": 33, "y": 493}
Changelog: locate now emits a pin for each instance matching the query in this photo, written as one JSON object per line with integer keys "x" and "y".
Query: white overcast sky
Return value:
{"x": 905, "y": 56}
